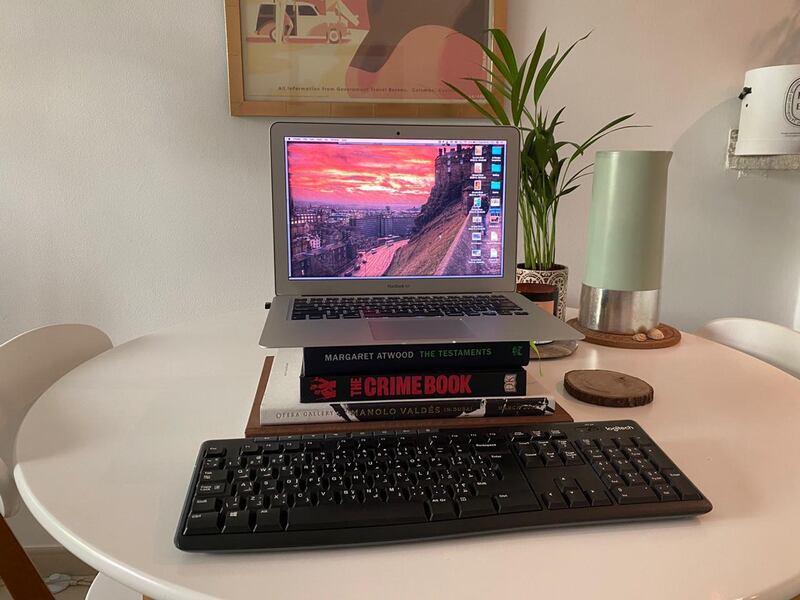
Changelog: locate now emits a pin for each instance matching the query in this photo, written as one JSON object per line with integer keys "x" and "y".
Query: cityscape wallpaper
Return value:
{"x": 395, "y": 209}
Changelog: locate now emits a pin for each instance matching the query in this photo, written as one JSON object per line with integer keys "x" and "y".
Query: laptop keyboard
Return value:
{"x": 375, "y": 307}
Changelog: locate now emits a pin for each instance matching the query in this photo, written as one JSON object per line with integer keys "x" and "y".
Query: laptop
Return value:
{"x": 397, "y": 234}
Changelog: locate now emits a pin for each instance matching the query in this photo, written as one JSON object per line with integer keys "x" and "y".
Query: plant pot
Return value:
{"x": 557, "y": 276}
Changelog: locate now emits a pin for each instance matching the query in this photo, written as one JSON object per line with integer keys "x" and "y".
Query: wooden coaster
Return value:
{"x": 623, "y": 340}
{"x": 608, "y": 388}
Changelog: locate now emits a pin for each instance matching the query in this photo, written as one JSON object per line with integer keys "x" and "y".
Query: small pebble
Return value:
{"x": 640, "y": 337}
{"x": 655, "y": 334}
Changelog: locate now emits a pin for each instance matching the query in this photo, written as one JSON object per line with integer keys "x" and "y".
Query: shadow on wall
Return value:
{"x": 782, "y": 41}
{"x": 732, "y": 243}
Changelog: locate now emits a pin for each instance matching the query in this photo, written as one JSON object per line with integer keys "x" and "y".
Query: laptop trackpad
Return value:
{"x": 421, "y": 329}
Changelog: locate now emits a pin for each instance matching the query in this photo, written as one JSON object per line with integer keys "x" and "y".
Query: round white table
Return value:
{"x": 105, "y": 457}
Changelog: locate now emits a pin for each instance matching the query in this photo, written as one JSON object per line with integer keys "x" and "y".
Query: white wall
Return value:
{"x": 130, "y": 199}
{"x": 732, "y": 246}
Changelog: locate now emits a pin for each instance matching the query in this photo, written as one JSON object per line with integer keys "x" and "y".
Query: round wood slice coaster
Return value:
{"x": 623, "y": 340}
{"x": 608, "y": 388}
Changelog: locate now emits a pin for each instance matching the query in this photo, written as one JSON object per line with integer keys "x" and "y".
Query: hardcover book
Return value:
{"x": 428, "y": 384}
{"x": 414, "y": 357}
{"x": 281, "y": 404}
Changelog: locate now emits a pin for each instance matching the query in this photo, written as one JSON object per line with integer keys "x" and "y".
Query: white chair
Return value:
{"x": 29, "y": 364}
{"x": 774, "y": 344}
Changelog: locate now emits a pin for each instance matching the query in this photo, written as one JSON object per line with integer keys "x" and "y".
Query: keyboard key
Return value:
{"x": 597, "y": 497}
{"x": 531, "y": 460}
{"x": 665, "y": 493}
{"x": 214, "y": 451}
{"x": 612, "y": 479}
{"x": 475, "y": 507}
{"x": 214, "y": 476}
{"x": 606, "y": 444}
{"x": 553, "y": 500}
{"x": 633, "y": 478}
{"x": 678, "y": 480}
{"x": 653, "y": 478}
{"x": 571, "y": 458}
{"x": 440, "y": 509}
{"x": 603, "y": 467}
{"x": 564, "y": 482}
{"x": 237, "y": 521}
{"x": 268, "y": 520}
{"x": 635, "y": 494}
{"x": 249, "y": 448}
{"x": 212, "y": 489}
{"x": 512, "y": 502}
{"x": 202, "y": 523}
{"x": 255, "y": 502}
{"x": 575, "y": 498}
{"x": 642, "y": 440}
{"x": 205, "y": 505}
{"x": 339, "y": 516}
{"x": 551, "y": 459}
{"x": 232, "y": 503}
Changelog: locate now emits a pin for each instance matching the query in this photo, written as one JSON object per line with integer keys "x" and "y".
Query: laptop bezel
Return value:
{"x": 279, "y": 131}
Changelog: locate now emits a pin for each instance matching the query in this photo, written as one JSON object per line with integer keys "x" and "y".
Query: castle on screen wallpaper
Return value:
{"x": 394, "y": 210}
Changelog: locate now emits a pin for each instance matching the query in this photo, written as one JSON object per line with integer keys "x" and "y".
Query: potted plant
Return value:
{"x": 512, "y": 92}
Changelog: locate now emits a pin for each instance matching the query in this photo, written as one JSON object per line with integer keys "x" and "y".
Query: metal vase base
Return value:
{"x": 618, "y": 311}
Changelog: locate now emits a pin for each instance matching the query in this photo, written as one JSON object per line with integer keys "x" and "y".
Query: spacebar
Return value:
{"x": 342, "y": 516}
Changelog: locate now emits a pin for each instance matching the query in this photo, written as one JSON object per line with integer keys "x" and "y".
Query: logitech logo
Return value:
{"x": 619, "y": 428}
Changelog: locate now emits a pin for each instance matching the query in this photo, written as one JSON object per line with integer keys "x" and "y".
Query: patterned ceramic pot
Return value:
{"x": 557, "y": 276}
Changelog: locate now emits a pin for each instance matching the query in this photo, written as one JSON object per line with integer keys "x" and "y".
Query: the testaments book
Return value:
{"x": 398, "y": 358}
{"x": 281, "y": 402}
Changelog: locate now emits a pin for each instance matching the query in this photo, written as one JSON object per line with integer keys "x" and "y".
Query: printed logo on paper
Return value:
{"x": 793, "y": 103}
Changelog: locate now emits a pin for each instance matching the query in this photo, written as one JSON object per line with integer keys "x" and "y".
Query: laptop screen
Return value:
{"x": 395, "y": 208}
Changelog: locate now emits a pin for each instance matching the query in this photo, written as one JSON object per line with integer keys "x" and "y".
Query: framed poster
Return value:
{"x": 356, "y": 58}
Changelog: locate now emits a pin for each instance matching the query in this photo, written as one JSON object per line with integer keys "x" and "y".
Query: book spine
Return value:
{"x": 411, "y": 409}
{"x": 413, "y": 357}
{"x": 423, "y": 385}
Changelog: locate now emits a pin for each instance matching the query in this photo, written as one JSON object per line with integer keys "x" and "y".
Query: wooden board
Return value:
{"x": 623, "y": 340}
{"x": 608, "y": 388}
{"x": 254, "y": 428}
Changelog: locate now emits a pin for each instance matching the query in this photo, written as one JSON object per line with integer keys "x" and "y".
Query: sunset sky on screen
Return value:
{"x": 372, "y": 175}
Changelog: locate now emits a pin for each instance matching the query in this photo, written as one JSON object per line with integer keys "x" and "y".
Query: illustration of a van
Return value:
{"x": 303, "y": 22}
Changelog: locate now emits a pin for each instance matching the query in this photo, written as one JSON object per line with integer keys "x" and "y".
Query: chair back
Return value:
{"x": 29, "y": 364}
{"x": 774, "y": 344}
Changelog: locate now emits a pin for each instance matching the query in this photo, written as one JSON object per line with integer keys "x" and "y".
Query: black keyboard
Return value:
{"x": 386, "y": 486}
{"x": 365, "y": 307}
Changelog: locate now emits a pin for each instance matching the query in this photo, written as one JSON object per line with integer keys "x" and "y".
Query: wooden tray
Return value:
{"x": 254, "y": 428}
{"x": 619, "y": 340}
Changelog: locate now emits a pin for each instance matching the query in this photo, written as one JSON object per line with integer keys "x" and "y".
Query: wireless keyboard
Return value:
{"x": 372, "y": 487}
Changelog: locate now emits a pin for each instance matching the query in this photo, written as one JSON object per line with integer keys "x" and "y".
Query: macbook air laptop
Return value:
{"x": 393, "y": 234}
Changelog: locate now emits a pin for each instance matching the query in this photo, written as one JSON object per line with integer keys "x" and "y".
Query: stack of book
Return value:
{"x": 401, "y": 382}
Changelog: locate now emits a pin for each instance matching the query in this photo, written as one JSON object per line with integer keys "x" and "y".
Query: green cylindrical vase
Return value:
{"x": 625, "y": 250}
